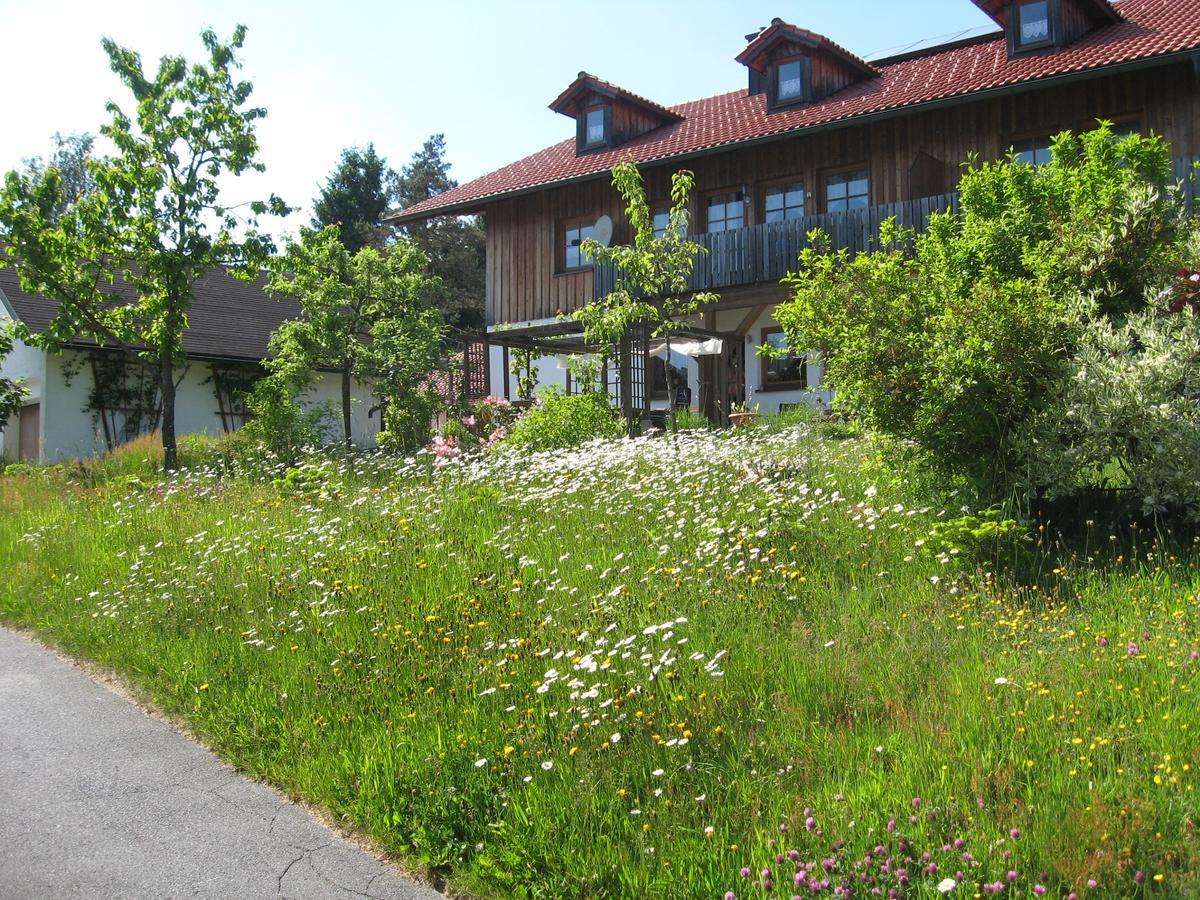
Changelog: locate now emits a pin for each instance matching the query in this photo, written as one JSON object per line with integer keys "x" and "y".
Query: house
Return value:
{"x": 817, "y": 137}
{"x": 86, "y": 399}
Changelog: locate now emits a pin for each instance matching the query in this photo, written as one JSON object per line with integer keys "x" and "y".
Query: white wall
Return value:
{"x": 70, "y": 430}
{"x": 770, "y": 400}
{"x": 29, "y": 365}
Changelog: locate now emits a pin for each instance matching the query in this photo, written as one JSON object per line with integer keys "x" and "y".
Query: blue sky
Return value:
{"x": 333, "y": 75}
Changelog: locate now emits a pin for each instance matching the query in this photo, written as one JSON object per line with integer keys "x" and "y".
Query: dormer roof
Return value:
{"x": 998, "y": 9}
{"x": 1150, "y": 33}
{"x": 569, "y": 101}
{"x": 757, "y": 53}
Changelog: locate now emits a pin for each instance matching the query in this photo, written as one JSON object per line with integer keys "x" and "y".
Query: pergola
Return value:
{"x": 627, "y": 361}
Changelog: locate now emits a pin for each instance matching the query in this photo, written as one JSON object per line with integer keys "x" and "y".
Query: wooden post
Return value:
{"x": 465, "y": 392}
{"x": 625, "y": 363}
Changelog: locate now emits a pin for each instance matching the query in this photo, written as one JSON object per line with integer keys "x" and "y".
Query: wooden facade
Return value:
{"x": 908, "y": 155}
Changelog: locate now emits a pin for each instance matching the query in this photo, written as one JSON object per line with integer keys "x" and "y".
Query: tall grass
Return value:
{"x": 643, "y": 668}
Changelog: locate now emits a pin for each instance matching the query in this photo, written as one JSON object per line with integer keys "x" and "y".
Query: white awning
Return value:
{"x": 689, "y": 347}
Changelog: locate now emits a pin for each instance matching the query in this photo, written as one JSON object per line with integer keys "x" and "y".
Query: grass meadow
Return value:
{"x": 746, "y": 664}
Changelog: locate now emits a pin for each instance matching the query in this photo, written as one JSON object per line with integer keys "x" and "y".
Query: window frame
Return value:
{"x": 765, "y": 364}
{"x": 661, "y": 207}
{"x": 656, "y": 365}
{"x": 582, "y": 144}
{"x": 827, "y": 174}
{"x": 724, "y": 192}
{"x": 773, "y": 72}
{"x": 1015, "y": 46}
{"x": 766, "y": 187}
{"x": 563, "y": 227}
{"x": 1030, "y": 139}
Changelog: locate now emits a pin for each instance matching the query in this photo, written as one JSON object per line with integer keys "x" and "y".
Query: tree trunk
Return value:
{"x": 167, "y": 389}
{"x": 346, "y": 405}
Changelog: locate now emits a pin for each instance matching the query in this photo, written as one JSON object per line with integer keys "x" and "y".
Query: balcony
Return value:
{"x": 762, "y": 254}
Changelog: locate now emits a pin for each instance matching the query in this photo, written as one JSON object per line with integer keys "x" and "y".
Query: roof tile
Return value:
{"x": 1151, "y": 28}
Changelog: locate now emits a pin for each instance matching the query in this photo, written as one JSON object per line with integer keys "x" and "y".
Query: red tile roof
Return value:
{"x": 563, "y": 102}
{"x": 995, "y": 9}
{"x": 780, "y": 30}
{"x": 1151, "y": 28}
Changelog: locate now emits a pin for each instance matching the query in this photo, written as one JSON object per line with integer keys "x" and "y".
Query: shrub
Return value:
{"x": 1127, "y": 415}
{"x": 410, "y": 421}
{"x": 281, "y": 423}
{"x": 560, "y": 420}
{"x": 958, "y": 338}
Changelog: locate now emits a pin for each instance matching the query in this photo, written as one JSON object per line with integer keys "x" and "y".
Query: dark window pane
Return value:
{"x": 837, "y": 189}
{"x": 795, "y": 196}
{"x": 787, "y": 368}
{"x": 774, "y": 199}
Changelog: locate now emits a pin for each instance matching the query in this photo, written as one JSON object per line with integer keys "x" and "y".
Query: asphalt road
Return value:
{"x": 99, "y": 799}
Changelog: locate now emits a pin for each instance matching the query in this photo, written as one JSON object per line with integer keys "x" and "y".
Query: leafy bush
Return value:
{"x": 1127, "y": 414}
{"x": 281, "y": 423}
{"x": 958, "y": 338}
{"x": 559, "y": 420}
{"x": 410, "y": 421}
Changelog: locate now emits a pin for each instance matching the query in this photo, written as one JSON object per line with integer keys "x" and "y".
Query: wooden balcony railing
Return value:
{"x": 764, "y": 253}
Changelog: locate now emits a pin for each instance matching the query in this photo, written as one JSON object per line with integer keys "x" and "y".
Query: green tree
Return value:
{"x": 12, "y": 391}
{"x": 155, "y": 222}
{"x": 454, "y": 245}
{"x": 652, "y": 273}
{"x": 956, "y": 338}
{"x": 71, "y": 155}
{"x": 355, "y": 197}
{"x": 369, "y": 316}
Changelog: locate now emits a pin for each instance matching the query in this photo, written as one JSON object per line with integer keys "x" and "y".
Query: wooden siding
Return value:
{"x": 522, "y": 283}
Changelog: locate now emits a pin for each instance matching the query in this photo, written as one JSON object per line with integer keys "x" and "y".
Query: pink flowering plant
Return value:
{"x": 479, "y": 429}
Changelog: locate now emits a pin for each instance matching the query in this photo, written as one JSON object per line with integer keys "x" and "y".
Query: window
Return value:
{"x": 658, "y": 374}
{"x": 1033, "y": 24}
{"x": 786, "y": 369}
{"x": 726, "y": 211}
{"x": 783, "y": 201}
{"x": 574, "y": 235}
{"x": 847, "y": 190}
{"x": 662, "y": 221}
{"x": 593, "y": 125}
{"x": 789, "y": 81}
{"x": 1034, "y": 151}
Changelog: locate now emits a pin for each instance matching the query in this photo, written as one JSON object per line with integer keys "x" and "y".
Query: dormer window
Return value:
{"x": 789, "y": 81}
{"x": 595, "y": 132}
{"x": 1033, "y": 24}
{"x": 792, "y": 66}
{"x": 606, "y": 115}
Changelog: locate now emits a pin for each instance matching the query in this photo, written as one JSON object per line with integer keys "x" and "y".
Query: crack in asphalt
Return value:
{"x": 305, "y": 855}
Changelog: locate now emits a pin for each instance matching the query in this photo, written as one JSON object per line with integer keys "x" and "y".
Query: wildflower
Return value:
{"x": 480, "y": 763}
{"x": 946, "y": 885}
{"x": 547, "y": 765}
{"x": 615, "y": 738}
